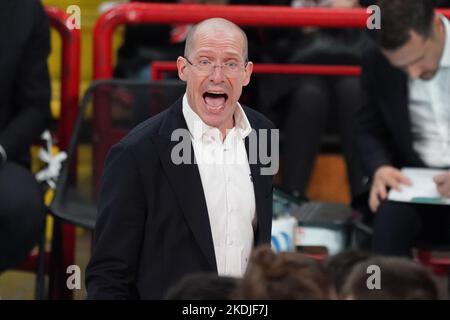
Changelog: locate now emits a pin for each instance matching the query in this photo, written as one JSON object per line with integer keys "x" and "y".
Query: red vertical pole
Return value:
{"x": 63, "y": 242}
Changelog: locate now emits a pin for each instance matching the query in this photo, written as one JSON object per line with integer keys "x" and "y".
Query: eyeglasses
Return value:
{"x": 206, "y": 67}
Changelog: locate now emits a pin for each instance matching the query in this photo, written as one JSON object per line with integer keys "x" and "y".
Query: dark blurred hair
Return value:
{"x": 285, "y": 275}
{"x": 203, "y": 286}
{"x": 401, "y": 279}
{"x": 341, "y": 265}
{"x": 399, "y": 17}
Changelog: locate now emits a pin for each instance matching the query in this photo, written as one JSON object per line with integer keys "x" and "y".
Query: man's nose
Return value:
{"x": 414, "y": 72}
{"x": 217, "y": 74}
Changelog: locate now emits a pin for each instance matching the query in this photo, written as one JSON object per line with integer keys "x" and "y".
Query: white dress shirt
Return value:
{"x": 429, "y": 106}
{"x": 228, "y": 188}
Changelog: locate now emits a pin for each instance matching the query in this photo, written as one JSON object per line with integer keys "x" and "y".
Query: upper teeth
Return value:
{"x": 216, "y": 92}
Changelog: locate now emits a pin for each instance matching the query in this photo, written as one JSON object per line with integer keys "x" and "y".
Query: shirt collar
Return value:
{"x": 445, "y": 60}
{"x": 198, "y": 129}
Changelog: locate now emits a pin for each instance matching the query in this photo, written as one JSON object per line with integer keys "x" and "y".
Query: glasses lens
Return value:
{"x": 207, "y": 67}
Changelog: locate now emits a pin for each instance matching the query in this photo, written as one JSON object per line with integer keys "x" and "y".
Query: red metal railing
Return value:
{"x": 70, "y": 73}
{"x": 263, "y": 16}
{"x": 159, "y": 67}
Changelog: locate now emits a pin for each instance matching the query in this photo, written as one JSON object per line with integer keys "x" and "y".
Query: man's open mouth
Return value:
{"x": 215, "y": 100}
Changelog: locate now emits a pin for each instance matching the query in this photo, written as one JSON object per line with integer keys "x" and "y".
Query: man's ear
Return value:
{"x": 181, "y": 66}
{"x": 248, "y": 72}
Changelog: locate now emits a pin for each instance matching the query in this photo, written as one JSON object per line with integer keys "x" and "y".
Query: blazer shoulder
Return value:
{"x": 373, "y": 59}
{"x": 257, "y": 119}
{"x": 378, "y": 71}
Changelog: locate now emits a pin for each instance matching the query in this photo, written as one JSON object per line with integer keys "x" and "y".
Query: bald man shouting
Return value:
{"x": 186, "y": 191}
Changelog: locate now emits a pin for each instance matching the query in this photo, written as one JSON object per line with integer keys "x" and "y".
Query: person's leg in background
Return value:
{"x": 22, "y": 214}
{"x": 396, "y": 228}
{"x": 347, "y": 91}
{"x": 305, "y": 122}
{"x": 400, "y": 226}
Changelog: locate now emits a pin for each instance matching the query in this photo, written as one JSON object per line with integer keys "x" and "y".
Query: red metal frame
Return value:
{"x": 159, "y": 67}
{"x": 63, "y": 242}
{"x": 70, "y": 73}
{"x": 263, "y": 16}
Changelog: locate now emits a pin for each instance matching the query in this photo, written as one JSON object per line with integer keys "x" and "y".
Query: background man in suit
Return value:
{"x": 159, "y": 220}
{"x": 405, "y": 120}
{"x": 24, "y": 115}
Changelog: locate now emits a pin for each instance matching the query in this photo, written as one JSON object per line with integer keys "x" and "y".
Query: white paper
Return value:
{"x": 422, "y": 190}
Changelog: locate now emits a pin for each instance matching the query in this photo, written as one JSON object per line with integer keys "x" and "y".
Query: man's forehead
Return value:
{"x": 212, "y": 43}
{"x": 218, "y": 35}
{"x": 218, "y": 24}
{"x": 215, "y": 32}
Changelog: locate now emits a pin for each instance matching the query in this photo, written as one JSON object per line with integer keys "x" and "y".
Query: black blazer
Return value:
{"x": 153, "y": 226}
{"x": 384, "y": 125}
{"x": 24, "y": 79}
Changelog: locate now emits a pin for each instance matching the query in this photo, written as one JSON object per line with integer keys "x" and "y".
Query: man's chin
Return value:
{"x": 213, "y": 120}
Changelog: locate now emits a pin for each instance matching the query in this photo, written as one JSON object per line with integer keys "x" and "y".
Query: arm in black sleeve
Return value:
{"x": 112, "y": 271}
{"x": 372, "y": 135}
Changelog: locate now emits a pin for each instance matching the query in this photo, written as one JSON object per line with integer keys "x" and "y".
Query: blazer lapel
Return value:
{"x": 395, "y": 106}
{"x": 186, "y": 183}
